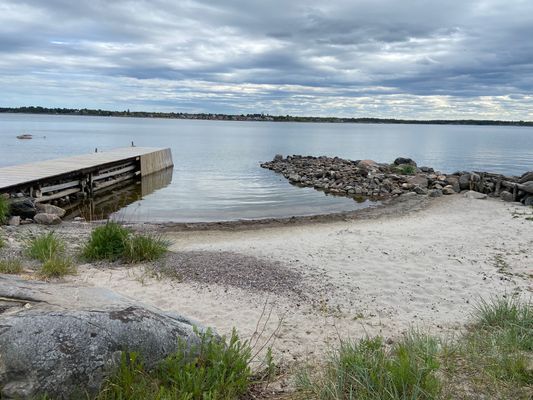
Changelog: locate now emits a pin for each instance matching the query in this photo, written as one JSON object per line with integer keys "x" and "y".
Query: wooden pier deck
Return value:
{"x": 145, "y": 160}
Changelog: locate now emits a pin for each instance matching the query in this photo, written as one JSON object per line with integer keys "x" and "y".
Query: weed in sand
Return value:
{"x": 45, "y": 247}
{"x": 11, "y": 266}
{"x": 57, "y": 267}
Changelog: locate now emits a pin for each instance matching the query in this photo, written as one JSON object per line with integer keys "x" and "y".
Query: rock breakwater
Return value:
{"x": 363, "y": 179}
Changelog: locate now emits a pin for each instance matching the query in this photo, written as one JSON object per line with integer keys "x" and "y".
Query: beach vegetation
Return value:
{"x": 216, "y": 368}
{"x": 494, "y": 355}
{"x": 11, "y": 266}
{"x": 144, "y": 248}
{"x": 4, "y": 209}
{"x": 368, "y": 370}
{"x": 406, "y": 169}
{"x": 490, "y": 359}
{"x": 113, "y": 242}
{"x": 45, "y": 247}
{"x": 57, "y": 267}
{"x": 107, "y": 242}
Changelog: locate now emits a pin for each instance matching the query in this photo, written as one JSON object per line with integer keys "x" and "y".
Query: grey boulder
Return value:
{"x": 506, "y": 196}
{"x": 47, "y": 219}
{"x": 404, "y": 160}
{"x": 475, "y": 195}
{"x": 51, "y": 209}
{"x": 64, "y": 340}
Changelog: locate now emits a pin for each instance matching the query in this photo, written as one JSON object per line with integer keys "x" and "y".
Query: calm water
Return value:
{"x": 217, "y": 174}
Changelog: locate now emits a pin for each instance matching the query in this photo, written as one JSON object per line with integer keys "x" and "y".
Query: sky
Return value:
{"x": 417, "y": 59}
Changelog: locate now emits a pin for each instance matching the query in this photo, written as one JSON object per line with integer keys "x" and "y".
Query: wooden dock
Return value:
{"x": 82, "y": 175}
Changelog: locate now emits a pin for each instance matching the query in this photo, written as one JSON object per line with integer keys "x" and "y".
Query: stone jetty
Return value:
{"x": 378, "y": 181}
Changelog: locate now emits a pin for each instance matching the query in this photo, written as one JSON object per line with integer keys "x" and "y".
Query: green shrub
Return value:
{"x": 45, "y": 247}
{"x": 107, "y": 242}
{"x": 406, "y": 169}
{"x": 367, "y": 370}
{"x": 144, "y": 248}
{"x": 217, "y": 369}
{"x": 11, "y": 266}
{"x": 57, "y": 267}
{"x": 4, "y": 209}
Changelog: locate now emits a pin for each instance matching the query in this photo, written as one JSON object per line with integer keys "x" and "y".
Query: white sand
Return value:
{"x": 424, "y": 270}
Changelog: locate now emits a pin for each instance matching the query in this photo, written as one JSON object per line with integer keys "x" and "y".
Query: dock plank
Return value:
{"x": 24, "y": 174}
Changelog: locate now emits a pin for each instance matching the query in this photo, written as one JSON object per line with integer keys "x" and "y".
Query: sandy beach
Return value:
{"x": 309, "y": 284}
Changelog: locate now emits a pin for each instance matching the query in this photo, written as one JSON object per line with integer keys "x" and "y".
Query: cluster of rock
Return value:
{"x": 25, "y": 211}
{"x": 369, "y": 179}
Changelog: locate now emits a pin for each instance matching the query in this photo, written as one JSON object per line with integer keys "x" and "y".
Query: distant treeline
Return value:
{"x": 250, "y": 117}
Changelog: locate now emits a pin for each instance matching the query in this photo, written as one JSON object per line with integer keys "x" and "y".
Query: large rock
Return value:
{"x": 464, "y": 182}
{"x": 404, "y": 160}
{"x": 47, "y": 219}
{"x": 527, "y": 177}
{"x": 50, "y": 209}
{"x": 454, "y": 182}
{"x": 506, "y": 196}
{"x": 64, "y": 340}
{"x": 475, "y": 195}
{"x": 24, "y": 208}
{"x": 419, "y": 180}
{"x": 528, "y": 200}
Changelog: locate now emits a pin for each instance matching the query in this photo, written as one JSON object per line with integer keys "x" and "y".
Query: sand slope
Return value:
{"x": 381, "y": 276}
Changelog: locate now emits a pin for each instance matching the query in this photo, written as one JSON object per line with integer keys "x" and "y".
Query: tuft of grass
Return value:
{"x": 57, "y": 267}
{"x": 2, "y": 242}
{"x": 11, "y": 266}
{"x": 112, "y": 242}
{"x": 144, "y": 248}
{"x": 107, "y": 242}
{"x": 367, "y": 370}
{"x": 45, "y": 247}
{"x": 4, "y": 209}
{"x": 217, "y": 368}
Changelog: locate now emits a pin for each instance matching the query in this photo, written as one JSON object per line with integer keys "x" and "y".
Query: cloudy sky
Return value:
{"x": 383, "y": 58}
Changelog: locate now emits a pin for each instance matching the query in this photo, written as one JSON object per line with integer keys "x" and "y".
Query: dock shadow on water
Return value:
{"x": 117, "y": 197}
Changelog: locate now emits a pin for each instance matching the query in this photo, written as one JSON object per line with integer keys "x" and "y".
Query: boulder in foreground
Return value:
{"x": 64, "y": 340}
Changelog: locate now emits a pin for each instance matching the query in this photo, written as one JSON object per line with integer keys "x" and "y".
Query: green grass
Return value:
{"x": 368, "y": 370}
{"x": 216, "y": 369}
{"x": 113, "y": 242}
{"x": 107, "y": 242}
{"x": 2, "y": 242}
{"x": 45, "y": 247}
{"x": 492, "y": 359}
{"x": 144, "y": 248}
{"x": 11, "y": 266}
{"x": 4, "y": 209}
{"x": 57, "y": 267}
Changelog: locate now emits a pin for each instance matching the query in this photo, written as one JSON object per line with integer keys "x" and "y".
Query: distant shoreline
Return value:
{"x": 250, "y": 117}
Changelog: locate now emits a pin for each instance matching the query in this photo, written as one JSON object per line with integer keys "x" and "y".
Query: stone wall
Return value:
{"x": 369, "y": 179}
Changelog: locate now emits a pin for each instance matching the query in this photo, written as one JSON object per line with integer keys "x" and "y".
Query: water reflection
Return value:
{"x": 110, "y": 201}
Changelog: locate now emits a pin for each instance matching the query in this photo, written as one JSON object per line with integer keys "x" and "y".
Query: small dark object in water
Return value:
{"x": 25, "y": 136}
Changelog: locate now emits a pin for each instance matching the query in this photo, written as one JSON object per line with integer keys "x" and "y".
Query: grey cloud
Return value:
{"x": 206, "y": 55}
